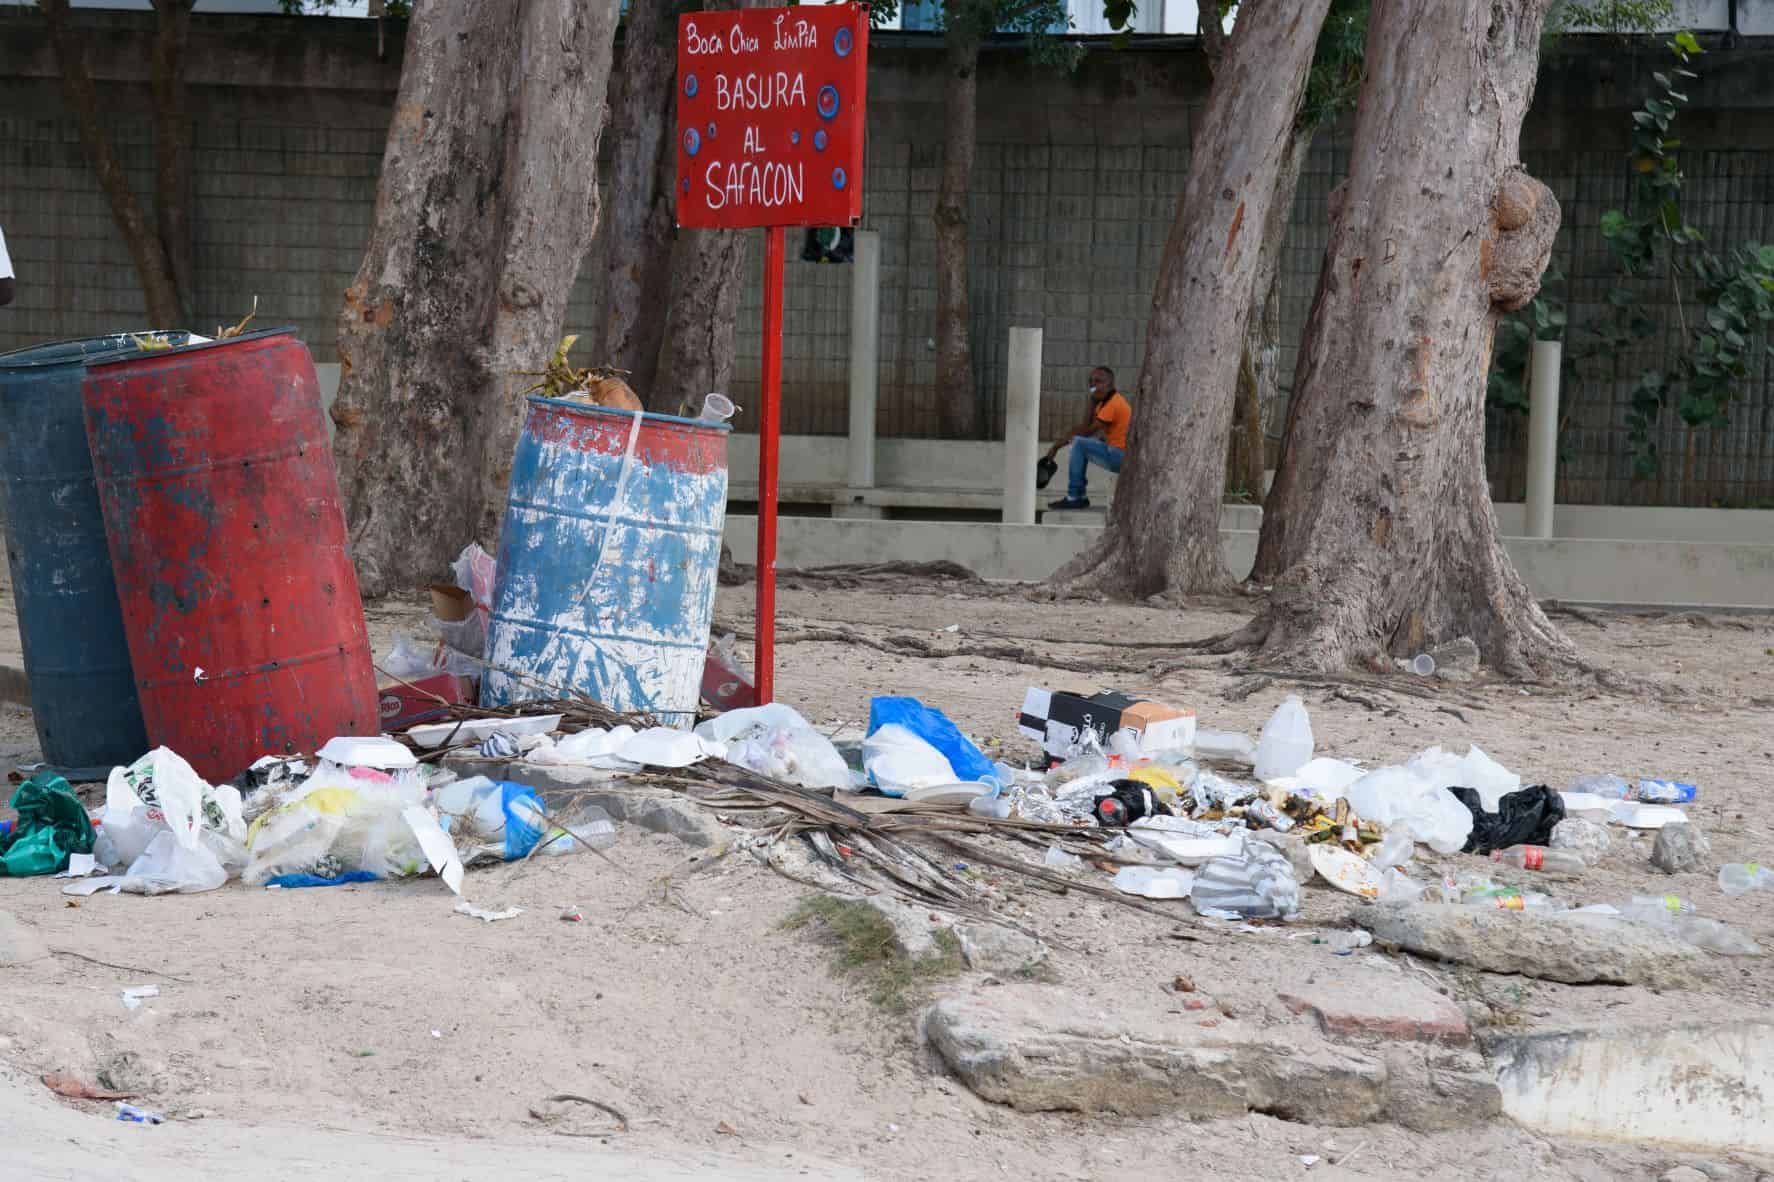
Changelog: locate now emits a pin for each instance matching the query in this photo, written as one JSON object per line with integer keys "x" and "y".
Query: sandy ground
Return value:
{"x": 375, "y": 1028}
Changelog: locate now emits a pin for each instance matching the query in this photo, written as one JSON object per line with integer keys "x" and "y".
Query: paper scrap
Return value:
{"x": 464, "y": 907}
{"x": 440, "y": 851}
{"x": 79, "y": 866}
{"x": 92, "y": 886}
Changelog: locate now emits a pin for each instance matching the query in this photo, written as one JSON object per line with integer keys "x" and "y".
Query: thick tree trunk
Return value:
{"x": 1164, "y": 527}
{"x": 637, "y": 278}
{"x": 487, "y": 204}
{"x": 172, "y": 146}
{"x": 1390, "y": 543}
{"x": 1259, "y": 372}
{"x": 159, "y": 288}
{"x": 707, "y": 272}
{"x": 957, "y": 395}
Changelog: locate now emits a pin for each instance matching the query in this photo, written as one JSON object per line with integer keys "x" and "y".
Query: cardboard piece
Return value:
{"x": 726, "y": 686}
{"x": 403, "y": 706}
{"x": 450, "y": 604}
{"x": 1061, "y": 720}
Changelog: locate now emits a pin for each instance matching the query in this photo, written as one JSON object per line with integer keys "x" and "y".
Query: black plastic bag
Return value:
{"x": 1523, "y": 817}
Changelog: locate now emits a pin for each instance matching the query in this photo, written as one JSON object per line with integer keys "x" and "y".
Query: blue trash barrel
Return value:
{"x": 608, "y": 560}
{"x": 83, "y": 697}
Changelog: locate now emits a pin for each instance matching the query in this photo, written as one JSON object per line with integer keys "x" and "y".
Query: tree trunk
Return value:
{"x": 487, "y": 204}
{"x": 637, "y": 279}
{"x": 707, "y": 271}
{"x": 1391, "y": 543}
{"x": 159, "y": 289}
{"x": 1259, "y": 372}
{"x": 172, "y": 146}
{"x": 957, "y": 395}
{"x": 1164, "y": 526}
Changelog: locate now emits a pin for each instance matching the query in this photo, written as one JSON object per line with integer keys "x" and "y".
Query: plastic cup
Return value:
{"x": 717, "y": 408}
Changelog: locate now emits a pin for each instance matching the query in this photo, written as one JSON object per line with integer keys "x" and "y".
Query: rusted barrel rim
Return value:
{"x": 47, "y": 357}
{"x": 137, "y": 355}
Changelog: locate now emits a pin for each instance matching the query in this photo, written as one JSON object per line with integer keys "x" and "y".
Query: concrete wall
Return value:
{"x": 1075, "y": 190}
{"x": 1716, "y": 574}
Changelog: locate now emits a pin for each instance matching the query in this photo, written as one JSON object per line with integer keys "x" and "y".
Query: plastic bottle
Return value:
{"x": 1665, "y": 792}
{"x": 1717, "y": 937}
{"x": 1529, "y": 901}
{"x": 1286, "y": 742}
{"x": 1538, "y": 857}
{"x": 1657, "y": 908}
{"x": 1610, "y": 786}
{"x": 1738, "y": 878}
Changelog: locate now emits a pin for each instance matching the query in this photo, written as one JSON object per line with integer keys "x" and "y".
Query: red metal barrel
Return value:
{"x": 221, "y": 507}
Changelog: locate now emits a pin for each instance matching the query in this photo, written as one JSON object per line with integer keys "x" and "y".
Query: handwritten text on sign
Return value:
{"x": 770, "y": 116}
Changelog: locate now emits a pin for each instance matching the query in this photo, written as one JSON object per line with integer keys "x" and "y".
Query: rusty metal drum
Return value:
{"x": 221, "y": 506}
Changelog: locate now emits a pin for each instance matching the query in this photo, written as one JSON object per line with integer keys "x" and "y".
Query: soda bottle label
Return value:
{"x": 1533, "y": 857}
{"x": 1753, "y": 867}
{"x": 1672, "y": 903}
{"x": 1512, "y": 903}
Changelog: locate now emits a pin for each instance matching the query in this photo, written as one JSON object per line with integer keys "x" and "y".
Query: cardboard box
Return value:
{"x": 1060, "y": 721}
{"x": 724, "y": 686}
{"x": 408, "y": 705}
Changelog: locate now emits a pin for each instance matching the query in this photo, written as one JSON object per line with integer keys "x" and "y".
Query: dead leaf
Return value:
{"x": 726, "y": 1130}
{"x": 63, "y": 1083}
{"x": 805, "y": 1100}
{"x": 1183, "y": 985}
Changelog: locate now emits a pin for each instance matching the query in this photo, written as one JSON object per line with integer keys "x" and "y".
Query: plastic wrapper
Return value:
{"x": 1225, "y": 747}
{"x": 336, "y": 821}
{"x": 1212, "y": 791}
{"x": 1286, "y": 742}
{"x": 1259, "y": 884}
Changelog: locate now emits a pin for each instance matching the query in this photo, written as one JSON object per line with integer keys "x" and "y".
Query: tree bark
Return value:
{"x": 487, "y": 204}
{"x": 1164, "y": 527}
{"x": 707, "y": 271}
{"x": 1390, "y": 543}
{"x": 957, "y": 395}
{"x": 637, "y": 276}
{"x": 172, "y": 146}
{"x": 159, "y": 288}
{"x": 1259, "y": 371}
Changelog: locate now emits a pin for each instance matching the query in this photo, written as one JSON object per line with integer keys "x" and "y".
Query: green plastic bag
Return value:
{"x": 52, "y": 823}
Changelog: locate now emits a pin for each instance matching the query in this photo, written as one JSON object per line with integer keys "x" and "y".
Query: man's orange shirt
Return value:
{"x": 1115, "y": 414}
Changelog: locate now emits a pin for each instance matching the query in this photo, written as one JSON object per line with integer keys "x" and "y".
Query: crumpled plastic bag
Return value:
{"x": 52, "y": 823}
{"x": 339, "y": 820}
{"x": 495, "y": 817}
{"x": 933, "y": 727}
{"x": 1394, "y": 796}
{"x": 1525, "y": 817}
{"x": 1475, "y": 770}
{"x": 775, "y": 740}
{"x": 173, "y": 831}
{"x": 1259, "y": 884}
{"x": 897, "y": 759}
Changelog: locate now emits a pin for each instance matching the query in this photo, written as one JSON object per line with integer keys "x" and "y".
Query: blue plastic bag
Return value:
{"x": 934, "y": 728}
{"x": 521, "y": 829}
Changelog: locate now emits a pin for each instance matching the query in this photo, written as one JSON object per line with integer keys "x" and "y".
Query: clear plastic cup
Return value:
{"x": 717, "y": 408}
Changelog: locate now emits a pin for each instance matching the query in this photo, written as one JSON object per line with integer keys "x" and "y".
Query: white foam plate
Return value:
{"x": 1347, "y": 872}
{"x": 435, "y": 734}
{"x": 946, "y": 793}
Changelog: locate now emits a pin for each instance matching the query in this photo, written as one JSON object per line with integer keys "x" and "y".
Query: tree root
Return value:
{"x": 1553, "y": 607}
{"x": 917, "y": 646}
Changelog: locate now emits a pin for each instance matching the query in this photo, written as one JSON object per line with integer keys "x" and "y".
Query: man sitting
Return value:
{"x": 1101, "y": 439}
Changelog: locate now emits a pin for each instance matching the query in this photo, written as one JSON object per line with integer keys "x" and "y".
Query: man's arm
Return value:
{"x": 1090, "y": 428}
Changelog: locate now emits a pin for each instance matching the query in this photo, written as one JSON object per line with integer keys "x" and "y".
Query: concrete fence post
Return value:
{"x": 1022, "y": 425}
{"x": 865, "y": 352}
{"x": 1542, "y": 438}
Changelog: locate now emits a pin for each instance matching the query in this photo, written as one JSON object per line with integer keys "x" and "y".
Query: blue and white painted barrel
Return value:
{"x": 608, "y": 560}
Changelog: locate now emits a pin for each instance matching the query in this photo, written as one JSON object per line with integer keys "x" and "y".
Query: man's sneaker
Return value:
{"x": 1070, "y": 503}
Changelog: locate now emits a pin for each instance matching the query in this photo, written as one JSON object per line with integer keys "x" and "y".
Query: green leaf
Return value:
{"x": 1685, "y": 41}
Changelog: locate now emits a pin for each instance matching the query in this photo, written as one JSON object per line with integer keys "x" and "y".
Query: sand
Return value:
{"x": 372, "y": 1032}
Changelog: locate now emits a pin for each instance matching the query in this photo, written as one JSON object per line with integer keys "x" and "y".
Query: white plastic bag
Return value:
{"x": 169, "y": 866}
{"x": 777, "y": 741}
{"x": 897, "y": 759}
{"x": 1394, "y": 797}
{"x": 1286, "y": 742}
{"x": 1258, "y": 885}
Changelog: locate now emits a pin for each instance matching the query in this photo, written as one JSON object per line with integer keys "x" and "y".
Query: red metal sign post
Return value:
{"x": 770, "y": 128}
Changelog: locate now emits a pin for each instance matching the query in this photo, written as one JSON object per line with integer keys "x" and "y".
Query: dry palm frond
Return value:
{"x": 598, "y": 385}
{"x": 234, "y": 330}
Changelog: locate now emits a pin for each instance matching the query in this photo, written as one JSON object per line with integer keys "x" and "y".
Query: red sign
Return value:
{"x": 770, "y": 116}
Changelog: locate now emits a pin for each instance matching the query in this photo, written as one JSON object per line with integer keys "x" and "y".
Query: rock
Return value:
{"x": 993, "y": 948}
{"x": 1681, "y": 849}
{"x": 1586, "y": 838}
{"x": 1456, "y": 660}
{"x": 1575, "y": 948}
{"x": 1407, "y": 1010}
{"x": 1684, "y": 1174}
{"x": 913, "y": 928}
{"x": 1039, "y": 1048}
{"x": 19, "y": 942}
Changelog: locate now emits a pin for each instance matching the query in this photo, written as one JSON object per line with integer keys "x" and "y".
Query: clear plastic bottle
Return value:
{"x": 1514, "y": 901}
{"x": 1665, "y": 792}
{"x": 1538, "y": 857}
{"x": 1717, "y": 937}
{"x": 1657, "y": 908}
{"x": 1740, "y": 878}
{"x": 1611, "y": 786}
